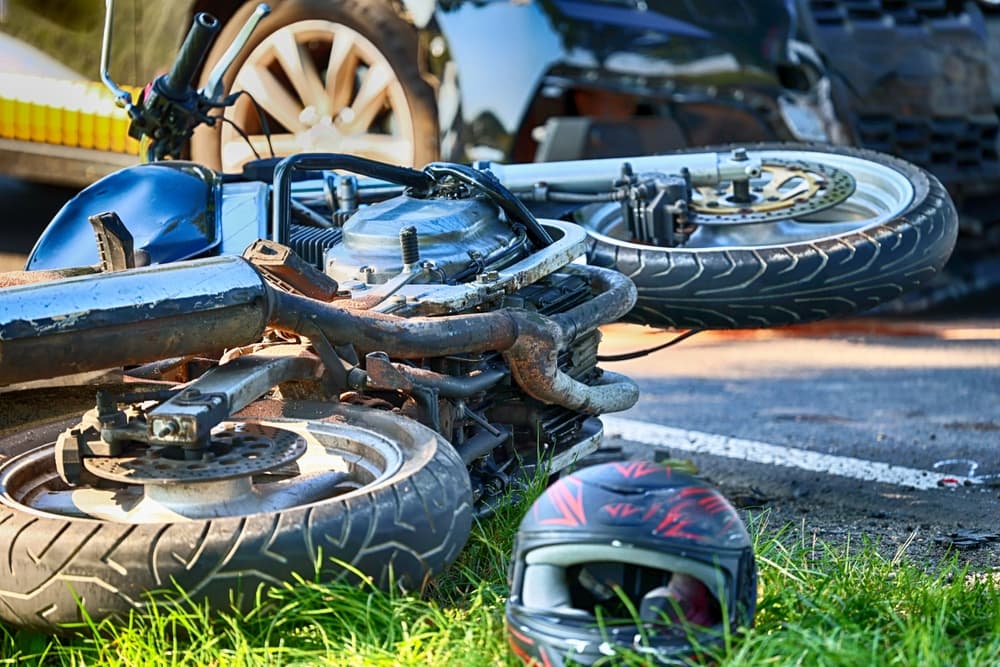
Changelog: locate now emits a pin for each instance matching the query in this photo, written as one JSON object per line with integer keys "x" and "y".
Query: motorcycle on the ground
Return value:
{"x": 327, "y": 366}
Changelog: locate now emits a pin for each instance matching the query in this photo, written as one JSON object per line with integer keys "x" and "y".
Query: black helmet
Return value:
{"x": 629, "y": 555}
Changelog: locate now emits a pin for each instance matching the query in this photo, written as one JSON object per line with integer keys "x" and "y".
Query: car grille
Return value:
{"x": 949, "y": 147}
{"x": 901, "y": 12}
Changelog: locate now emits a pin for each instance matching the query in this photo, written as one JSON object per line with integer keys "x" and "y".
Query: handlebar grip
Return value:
{"x": 192, "y": 52}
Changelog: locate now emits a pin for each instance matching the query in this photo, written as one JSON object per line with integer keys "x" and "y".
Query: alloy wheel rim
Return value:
{"x": 325, "y": 88}
{"x": 339, "y": 459}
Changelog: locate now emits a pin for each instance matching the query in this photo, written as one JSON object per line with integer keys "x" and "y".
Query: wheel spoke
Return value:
{"x": 382, "y": 147}
{"x": 340, "y": 70}
{"x": 301, "y": 71}
{"x": 271, "y": 95}
{"x": 369, "y": 100}
{"x": 354, "y": 93}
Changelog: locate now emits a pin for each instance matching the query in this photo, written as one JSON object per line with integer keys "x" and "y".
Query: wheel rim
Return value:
{"x": 338, "y": 459}
{"x": 324, "y": 88}
{"x": 881, "y": 194}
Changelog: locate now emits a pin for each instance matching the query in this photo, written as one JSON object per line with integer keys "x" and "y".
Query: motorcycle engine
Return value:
{"x": 451, "y": 255}
{"x": 454, "y": 307}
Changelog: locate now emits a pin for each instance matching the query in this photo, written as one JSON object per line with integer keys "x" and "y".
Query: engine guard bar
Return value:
{"x": 140, "y": 315}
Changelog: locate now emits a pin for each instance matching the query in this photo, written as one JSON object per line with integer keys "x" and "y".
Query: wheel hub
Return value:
{"x": 237, "y": 450}
{"x": 785, "y": 189}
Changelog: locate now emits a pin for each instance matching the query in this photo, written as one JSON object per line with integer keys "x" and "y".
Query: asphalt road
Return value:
{"x": 866, "y": 415}
{"x": 884, "y": 417}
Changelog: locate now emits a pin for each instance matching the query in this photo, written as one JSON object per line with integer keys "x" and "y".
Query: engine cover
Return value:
{"x": 450, "y": 233}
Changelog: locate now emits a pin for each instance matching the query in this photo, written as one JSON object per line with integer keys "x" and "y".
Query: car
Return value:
{"x": 414, "y": 81}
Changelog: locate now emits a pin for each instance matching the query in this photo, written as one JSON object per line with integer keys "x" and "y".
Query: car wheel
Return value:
{"x": 328, "y": 77}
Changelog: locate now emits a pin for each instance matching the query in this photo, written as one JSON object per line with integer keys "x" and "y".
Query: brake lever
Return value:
{"x": 213, "y": 88}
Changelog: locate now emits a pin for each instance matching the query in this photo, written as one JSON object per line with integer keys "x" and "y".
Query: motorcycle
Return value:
{"x": 328, "y": 366}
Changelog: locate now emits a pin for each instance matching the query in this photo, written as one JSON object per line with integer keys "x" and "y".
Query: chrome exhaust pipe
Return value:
{"x": 202, "y": 306}
{"x": 106, "y": 320}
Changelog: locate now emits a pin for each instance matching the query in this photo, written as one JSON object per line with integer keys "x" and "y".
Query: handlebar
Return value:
{"x": 199, "y": 38}
{"x": 213, "y": 86}
{"x": 170, "y": 108}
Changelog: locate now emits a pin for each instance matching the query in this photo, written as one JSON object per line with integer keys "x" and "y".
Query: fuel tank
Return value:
{"x": 168, "y": 207}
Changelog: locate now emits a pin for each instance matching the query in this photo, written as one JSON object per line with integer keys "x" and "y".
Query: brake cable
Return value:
{"x": 487, "y": 183}
{"x": 642, "y": 353}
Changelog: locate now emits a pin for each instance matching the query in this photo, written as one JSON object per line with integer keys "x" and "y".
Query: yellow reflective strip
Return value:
{"x": 71, "y": 113}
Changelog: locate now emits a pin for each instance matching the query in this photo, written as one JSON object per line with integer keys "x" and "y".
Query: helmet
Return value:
{"x": 628, "y": 557}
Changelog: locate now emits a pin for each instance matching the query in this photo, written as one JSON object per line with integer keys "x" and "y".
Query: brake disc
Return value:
{"x": 237, "y": 450}
{"x": 785, "y": 189}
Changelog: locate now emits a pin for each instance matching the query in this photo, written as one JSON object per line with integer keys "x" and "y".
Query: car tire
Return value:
{"x": 285, "y": 68}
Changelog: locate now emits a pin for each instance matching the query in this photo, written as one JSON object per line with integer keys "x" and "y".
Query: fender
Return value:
{"x": 168, "y": 207}
{"x": 562, "y": 45}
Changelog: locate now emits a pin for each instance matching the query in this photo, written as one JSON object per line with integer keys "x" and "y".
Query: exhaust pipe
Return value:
{"x": 89, "y": 323}
{"x": 172, "y": 310}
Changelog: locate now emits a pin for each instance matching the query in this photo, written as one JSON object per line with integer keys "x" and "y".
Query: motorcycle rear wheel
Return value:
{"x": 401, "y": 513}
{"x": 892, "y": 234}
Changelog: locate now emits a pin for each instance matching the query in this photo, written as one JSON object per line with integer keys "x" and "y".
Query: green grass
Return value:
{"x": 818, "y": 605}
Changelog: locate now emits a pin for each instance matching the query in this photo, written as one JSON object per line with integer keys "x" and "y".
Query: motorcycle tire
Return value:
{"x": 377, "y": 33}
{"x": 789, "y": 277}
{"x": 406, "y": 516}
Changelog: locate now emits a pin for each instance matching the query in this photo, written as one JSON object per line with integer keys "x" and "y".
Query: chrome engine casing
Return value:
{"x": 451, "y": 232}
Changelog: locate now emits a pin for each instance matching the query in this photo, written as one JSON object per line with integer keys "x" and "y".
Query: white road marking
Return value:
{"x": 678, "y": 439}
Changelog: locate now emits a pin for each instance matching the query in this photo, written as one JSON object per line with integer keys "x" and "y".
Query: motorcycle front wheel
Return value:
{"x": 826, "y": 231}
{"x": 373, "y": 495}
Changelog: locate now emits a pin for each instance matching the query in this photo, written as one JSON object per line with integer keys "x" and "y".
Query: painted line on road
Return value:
{"x": 768, "y": 454}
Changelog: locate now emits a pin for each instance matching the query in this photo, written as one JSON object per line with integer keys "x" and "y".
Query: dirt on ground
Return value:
{"x": 927, "y": 539}
{"x": 726, "y": 382}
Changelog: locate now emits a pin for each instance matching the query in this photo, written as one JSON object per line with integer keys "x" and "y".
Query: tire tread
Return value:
{"x": 50, "y": 567}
